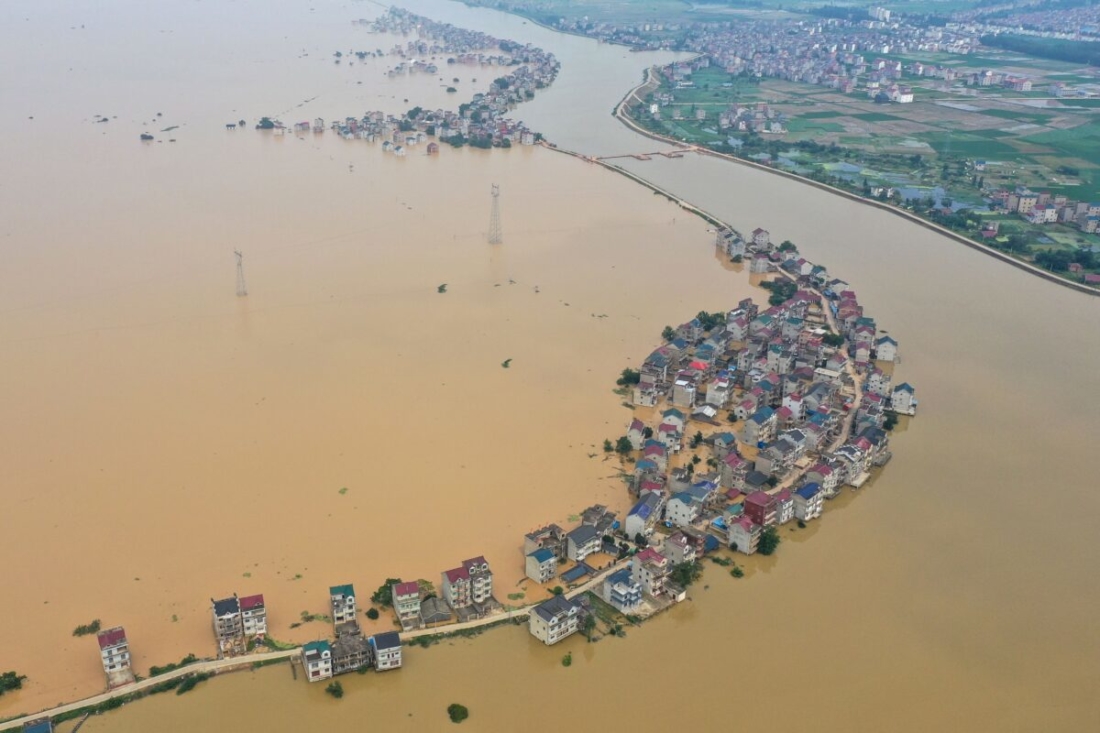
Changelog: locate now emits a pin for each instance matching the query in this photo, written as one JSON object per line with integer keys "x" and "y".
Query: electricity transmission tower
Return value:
{"x": 495, "y": 236}
{"x": 241, "y": 289}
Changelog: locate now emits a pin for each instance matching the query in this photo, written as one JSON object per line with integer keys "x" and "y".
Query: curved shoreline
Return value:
{"x": 619, "y": 114}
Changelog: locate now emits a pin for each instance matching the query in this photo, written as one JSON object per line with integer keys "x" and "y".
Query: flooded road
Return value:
{"x": 157, "y": 427}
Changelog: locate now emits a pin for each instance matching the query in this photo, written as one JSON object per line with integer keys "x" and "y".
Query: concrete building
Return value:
{"x": 621, "y": 591}
{"x": 743, "y": 535}
{"x": 481, "y": 579}
{"x": 386, "y": 650}
{"x": 542, "y": 565}
{"x": 808, "y": 502}
{"x": 342, "y": 602}
{"x": 406, "y": 603}
{"x": 228, "y": 626}
{"x": 317, "y": 660}
{"x": 114, "y": 653}
{"x": 254, "y": 616}
{"x": 582, "y": 542}
{"x": 554, "y": 619}
{"x": 650, "y": 569}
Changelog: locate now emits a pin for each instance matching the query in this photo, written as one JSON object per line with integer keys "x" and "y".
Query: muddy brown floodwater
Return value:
{"x": 161, "y": 438}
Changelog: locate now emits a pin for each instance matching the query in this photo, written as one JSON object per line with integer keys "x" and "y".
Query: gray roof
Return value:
{"x": 386, "y": 640}
{"x": 556, "y": 606}
{"x": 583, "y": 534}
{"x": 227, "y": 607}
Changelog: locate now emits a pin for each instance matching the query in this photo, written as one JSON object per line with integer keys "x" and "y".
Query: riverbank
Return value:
{"x": 621, "y": 112}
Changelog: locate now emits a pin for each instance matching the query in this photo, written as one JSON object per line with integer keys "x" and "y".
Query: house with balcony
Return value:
{"x": 342, "y": 603}
{"x": 808, "y": 502}
{"x": 457, "y": 588}
{"x": 541, "y": 566}
{"x": 743, "y": 534}
{"x": 683, "y": 509}
{"x": 582, "y": 542}
{"x": 317, "y": 660}
{"x": 385, "y": 650}
{"x": 481, "y": 579}
{"x": 650, "y": 570}
{"x": 551, "y": 537}
{"x": 406, "y": 603}
{"x": 784, "y": 506}
{"x": 621, "y": 591}
{"x": 554, "y": 619}
{"x": 350, "y": 652}
{"x": 644, "y": 514}
{"x": 761, "y": 508}
{"x": 228, "y": 626}
{"x": 114, "y": 654}
{"x": 254, "y": 616}
{"x": 679, "y": 549}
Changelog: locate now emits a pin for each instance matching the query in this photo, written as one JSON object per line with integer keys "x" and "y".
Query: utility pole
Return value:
{"x": 241, "y": 289}
{"x": 495, "y": 235}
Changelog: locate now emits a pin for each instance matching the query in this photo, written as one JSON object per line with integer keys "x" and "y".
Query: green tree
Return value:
{"x": 697, "y": 439}
{"x": 686, "y": 573}
{"x": 668, "y": 334}
{"x": 384, "y": 595}
{"x": 372, "y": 614}
{"x": 588, "y": 626}
{"x": 457, "y": 713}
{"x": 629, "y": 377}
{"x": 769, "y": 541}
{"x": 335, "y": 689}
{"x": 787, "y": 246}
{"x": 623, "y": 445}
{"x": 557, "y": 590}
{"x": 737, "y": 572}
{"x": 890, "y": 422}
{"x": 608, "y": 446}
{"x": 11, "y": 681}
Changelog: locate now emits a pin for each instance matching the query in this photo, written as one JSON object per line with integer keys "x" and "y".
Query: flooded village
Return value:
{"x": 745, "y": 422}
{"x": 481, "y": 121}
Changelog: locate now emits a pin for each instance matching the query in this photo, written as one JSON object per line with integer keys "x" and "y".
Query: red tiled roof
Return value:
{"x": 759, "y": 498}
{"x": 406, "y": 589}
{"x": 111, "y": 637}
{"x": 457, "y": 574}
{"x": 250, "y": 602}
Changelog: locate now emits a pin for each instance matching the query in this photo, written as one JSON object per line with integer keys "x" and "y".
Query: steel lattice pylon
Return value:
{"x": 241, "y": 289}
{"x": 495, "y": 235}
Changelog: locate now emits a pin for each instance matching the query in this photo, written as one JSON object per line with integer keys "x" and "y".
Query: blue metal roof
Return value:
{"x": 808, "y": 491}
{"x": 542, "y": 554}
{"x": 575, "y": 573}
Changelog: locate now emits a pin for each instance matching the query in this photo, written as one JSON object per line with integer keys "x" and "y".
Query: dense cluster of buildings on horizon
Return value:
{"x": 481, "y": 122}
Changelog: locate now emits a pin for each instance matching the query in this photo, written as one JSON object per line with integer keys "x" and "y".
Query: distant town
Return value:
{"x": 481, "y": 122}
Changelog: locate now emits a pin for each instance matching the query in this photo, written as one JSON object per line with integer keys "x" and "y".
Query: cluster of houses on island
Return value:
{"x": 481, "y": 122}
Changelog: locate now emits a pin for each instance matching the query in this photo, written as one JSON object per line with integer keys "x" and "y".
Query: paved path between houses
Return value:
{"x": 214, "y": 665}
{"x": 222, "y": 665}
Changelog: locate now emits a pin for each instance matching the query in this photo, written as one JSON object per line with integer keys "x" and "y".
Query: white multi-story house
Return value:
{"x": 620, "y": 590}
{"x": 650, "y": 569}
{"x": 553, "y": 620}
{"x": 682, "y": 509}
{"x": 678, "y": 549}
{"x": 582, "y": 542}
{"x": 386, "y": 650}
{"x": 902, "y": 400}
{"x": 743, "y": 535}
{"x": 542, "y": 565}
{"x": 254, "y": 616}
{"x": 808, "y": 502}
{"x": 406, "y": 603}
{"x": 114, "y": 652}
{"x": 481, "y": 579}
{"x": 317, "y": 660}
{"x": 228, "y": 627}
{"x": 784, "y": 506}
{"x": 342, "y": 601}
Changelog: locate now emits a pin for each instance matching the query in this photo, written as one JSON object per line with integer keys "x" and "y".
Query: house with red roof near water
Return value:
{"x": 457, "y": 588}
{"x": 761, "y": 508}
{"x": 650, "y": 569}
{"x": 784, "y": 506}
{"x": 254, "y": 616}
{"x": 114, "y": 653}
{"x": 406, "y": 603}
{"x": 744, "y": 535}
